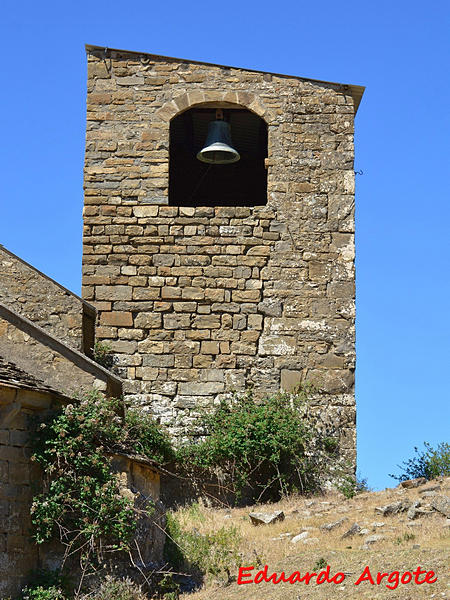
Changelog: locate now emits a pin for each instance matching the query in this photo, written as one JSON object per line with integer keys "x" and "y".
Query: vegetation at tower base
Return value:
{"x": 262, "y": 449}
{"x": 253, "y": 449}
{"x": 429, "y": 463}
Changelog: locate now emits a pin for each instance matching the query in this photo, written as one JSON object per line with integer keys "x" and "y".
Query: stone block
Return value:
{"x": 117, "y": 319}
{"x": 124, "y": 346}
{"x": 177, "y": 321}
{"x": 145, "y": 211}
{"x": 239, "y": 322}
{"x": 254, "y": 321}
{"x": 19, "y": 474}
{"x": 144, "y": 293}
{"x": 290, "y": 380}
{"x": 270, "y": 307}
{"x": 171, "y": 293}
{"x": 202, "y": 361}
{"x": 147, "y": 373}
{"x": 113, "y": 292}
{"x": 206, "y": 322}
{"x": 210, "y": 348}
{"x": 146, "y": 320}
{"x": 246, "y": 295}
{"x": 163, "y": 260}
{"x": 157, "y": 360}
{"x": 192, "y": 293}
{"x": 250, "y": 336}
{"x": 332, "y": 381}
{"x": 151, "y": 347}
{"x": 4, "y": 471}
{"x": 200, "y": 388}
{"x": 277, "y": 345}
{"x": 189, "y": 307}
{"x": 225, "y": 361}
{"x": 243, "y": 348}
{"x": 259, "y": 251}
{"x": 19, "y": 438}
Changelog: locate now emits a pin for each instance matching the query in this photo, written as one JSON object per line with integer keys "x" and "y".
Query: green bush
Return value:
{"x": 257, "y": 444}
{"x": 214, "y": 554}
{"x": 80, "y": 503}
{"x": 429, "y": 463}
{"x": 46, "y": 585}
{"x": 111, "y": 588}
{"x": 43, "y": 593}
{"x": 102, "y": 354}
{"x": 146, "y": 437}
{"x": 349, "y": 486}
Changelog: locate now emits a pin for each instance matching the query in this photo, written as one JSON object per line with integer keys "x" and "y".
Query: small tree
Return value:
{"x": 80, "y": 503}
{"x": 257, "y": 444}
{"x": 430, "y": 463}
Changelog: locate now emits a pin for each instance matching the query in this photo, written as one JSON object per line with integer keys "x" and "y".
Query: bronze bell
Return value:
{"x": 218, "y": 149}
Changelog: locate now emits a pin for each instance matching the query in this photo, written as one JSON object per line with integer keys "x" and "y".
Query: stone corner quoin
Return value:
{"x": 200, "y": 301}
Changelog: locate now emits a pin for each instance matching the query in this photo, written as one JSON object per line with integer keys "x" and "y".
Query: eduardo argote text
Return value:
{"x": 391, "y": 580}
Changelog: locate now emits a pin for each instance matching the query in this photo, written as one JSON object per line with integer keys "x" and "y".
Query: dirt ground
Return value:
{"x": 352, "y": 563}
{"x": 403, "y": 545}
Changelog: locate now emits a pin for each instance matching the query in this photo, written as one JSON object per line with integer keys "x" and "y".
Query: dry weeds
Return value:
{"x": 406, "y": 545}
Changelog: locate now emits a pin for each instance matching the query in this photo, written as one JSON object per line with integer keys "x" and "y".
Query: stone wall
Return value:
{"x": 45, "y": 302}
{"x": 65, "y": 370}
{"x": 18, "y": 555}
{"x": 19, "y": 480}
{"x": 199, "y": 301}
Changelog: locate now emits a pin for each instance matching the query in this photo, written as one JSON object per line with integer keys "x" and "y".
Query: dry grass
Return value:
{"x": 405, "y": 545}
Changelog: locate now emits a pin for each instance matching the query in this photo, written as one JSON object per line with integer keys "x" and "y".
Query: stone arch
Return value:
{"x": 194, "y": 183}
{"x": 232, "y": 98}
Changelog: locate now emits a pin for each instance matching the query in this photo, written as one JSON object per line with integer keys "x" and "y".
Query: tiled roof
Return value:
{"x": 12, "y": 376}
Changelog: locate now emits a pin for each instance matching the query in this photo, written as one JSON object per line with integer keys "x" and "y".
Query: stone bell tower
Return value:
{"x": 209, "y": 278}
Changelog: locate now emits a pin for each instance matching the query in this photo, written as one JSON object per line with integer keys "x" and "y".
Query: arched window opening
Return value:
{"x": 196, "y": 183}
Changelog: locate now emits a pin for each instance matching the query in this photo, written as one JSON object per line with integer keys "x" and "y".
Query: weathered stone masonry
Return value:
{"x": 46, "y": 303}
{"x": 197, "y": 301}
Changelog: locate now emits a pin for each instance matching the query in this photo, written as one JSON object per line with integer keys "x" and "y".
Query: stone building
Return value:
{"x": 204, "y": 279}
{"x": 46, "y": 335}
{"x": 44, "y": 331}
{"x": 208, "y": 279}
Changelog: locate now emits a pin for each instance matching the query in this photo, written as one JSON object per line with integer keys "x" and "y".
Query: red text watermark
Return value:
{"x": 391, "y": 580}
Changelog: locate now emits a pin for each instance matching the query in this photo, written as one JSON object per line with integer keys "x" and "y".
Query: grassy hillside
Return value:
{"x": 401, "y": 543}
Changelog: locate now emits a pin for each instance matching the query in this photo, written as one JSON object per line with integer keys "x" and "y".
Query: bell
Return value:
{"x": 218, "y": 149}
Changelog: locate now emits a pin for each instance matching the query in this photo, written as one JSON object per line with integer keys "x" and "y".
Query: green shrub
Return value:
{"x": 429, "y": 463}
{"x": 257, "y": 444}
{"x": 146, "y": 437}
{"x": 347, "y": 486}
{"x": 111, "y": 588}
{"x": 406, "y": 537}
{"x": 80, "y": 503}
{"x": 173, "y": 552}
{"x": 361, "y": 484}
{"x": 102, "y": 354}
{"x": 43, "y": 593}
{"x": 46, "y": 585}
{"x": 214, "y": 554}
{"x": 321, "y": 563}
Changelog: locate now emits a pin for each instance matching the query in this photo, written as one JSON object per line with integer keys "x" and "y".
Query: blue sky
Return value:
{"x": 398, "y": 50}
